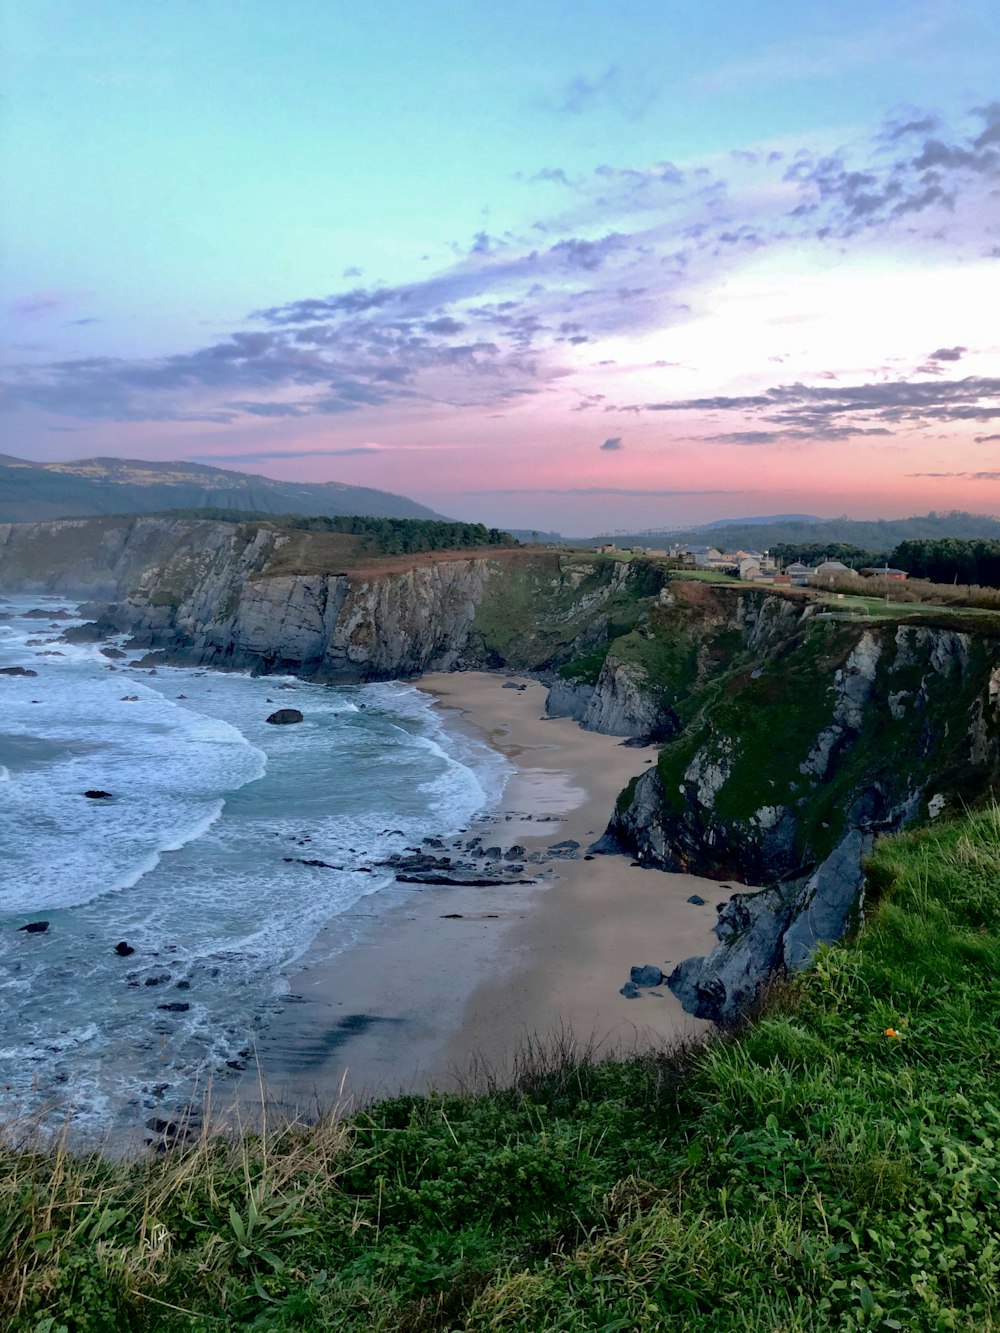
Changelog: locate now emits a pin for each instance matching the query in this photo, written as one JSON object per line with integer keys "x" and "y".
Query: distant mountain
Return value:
{"x": 756, "y": 522}
{"x": 30, "y": 492}
{"x": 879, "y": 534}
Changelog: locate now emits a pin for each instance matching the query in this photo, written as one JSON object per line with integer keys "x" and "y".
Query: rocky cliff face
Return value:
{"x": 252, "y": 596}
{"x": 792, "y": 761}
{"x": 100, "y": 557}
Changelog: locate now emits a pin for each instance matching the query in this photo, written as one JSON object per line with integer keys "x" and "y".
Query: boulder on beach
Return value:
{"x": 95, "y": 794}
{"x": 648, "y": 975}
{"x": 284, "y": 717}
{"x": 35, "y": 927}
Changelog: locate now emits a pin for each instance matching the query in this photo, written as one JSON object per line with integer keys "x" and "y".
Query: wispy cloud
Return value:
{"x": 635, "y": 254}
{"x": 821, "y": 412}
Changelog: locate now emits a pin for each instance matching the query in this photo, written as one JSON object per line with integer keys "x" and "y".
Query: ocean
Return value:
{"x": 196, "y": 862}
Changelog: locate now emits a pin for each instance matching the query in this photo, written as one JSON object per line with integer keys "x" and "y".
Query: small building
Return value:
{"x": 749, "y": 568}
{"x": 798, "y": 573}
{"x": 885, "y": 572}
{"x": 830, "y": 571}
{"x": 606, "y": 549}
{"x": 782, "y": 580}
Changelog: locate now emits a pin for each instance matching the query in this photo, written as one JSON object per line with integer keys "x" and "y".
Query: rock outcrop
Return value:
{"x": 789, "y": 767}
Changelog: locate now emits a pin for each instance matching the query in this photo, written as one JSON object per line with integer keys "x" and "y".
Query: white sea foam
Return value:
{"x": 197, "y": 861}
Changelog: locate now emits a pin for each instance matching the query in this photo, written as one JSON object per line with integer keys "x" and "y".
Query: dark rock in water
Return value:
{"x": 17, "y": 671}
{"x": 514, "y": 853}
{"x": 39, "y": 613}
{"x": 112, "y": 652}
{"x": 284, "y": 717}
{"x": 324, "y": 865}
{"x": 95, "y": 794}
{"x": 433, "y": 842}
{"x": 286, "y": 687}
{"x": 90, "y": 632}
{"x": 451, "y": 916}
{"x": 35, "y": 927}
{"x": 184, "y": 985}
{"x": 649, "y": 975}
{"x": 166, "y": 1127}
{"x": 175, "y": 1006}
{"x": 157, "y": 980}
{"x": 130, "y": 699}
{"x": 697, "y": 899}
{"x": 630, "y": 990}
{"x": 124, "y": 950}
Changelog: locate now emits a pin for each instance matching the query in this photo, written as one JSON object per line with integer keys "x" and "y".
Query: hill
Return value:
{"x": 32, "y": 492}
{"x": 879, "y": 534}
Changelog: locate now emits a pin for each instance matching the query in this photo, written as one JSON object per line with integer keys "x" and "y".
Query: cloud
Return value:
{"x": 634, "y": 251}
{"x": 802, "y": 411}
{"x": 986, "y": 439}
{"x": 613, "y": 444}
{"x": 925, "y": 124}
{"x": 554, "y": 174}
{"x": 594, "y": 490}
{"x": 263, "y": 455}
{"x": 38, "y": 304}
{"x": 968, "y": 476}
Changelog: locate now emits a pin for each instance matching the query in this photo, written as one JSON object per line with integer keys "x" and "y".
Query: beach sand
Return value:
{"x": 452, "y": 977}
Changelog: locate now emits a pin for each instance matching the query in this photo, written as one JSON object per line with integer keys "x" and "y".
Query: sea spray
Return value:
{"x": 197, "y": 860}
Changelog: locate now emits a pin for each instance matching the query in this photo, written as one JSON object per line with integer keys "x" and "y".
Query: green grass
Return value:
{"x": 812, "y": 1173}
{"x": 708, "y": 576}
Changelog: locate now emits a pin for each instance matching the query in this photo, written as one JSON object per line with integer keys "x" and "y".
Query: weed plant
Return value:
{"x": 833, "y": 1166}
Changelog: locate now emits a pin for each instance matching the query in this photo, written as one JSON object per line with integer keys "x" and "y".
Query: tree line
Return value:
{"x": 387, "y": 536}
{"x": 936, "y": 559}
{"x": 950, "y": 560}
{"x": 406, "y": 536}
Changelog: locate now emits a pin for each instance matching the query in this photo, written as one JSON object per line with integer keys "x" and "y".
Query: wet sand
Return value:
{"x": 453, "y": 977}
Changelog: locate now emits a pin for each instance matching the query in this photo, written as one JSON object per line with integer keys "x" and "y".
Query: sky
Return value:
{"x": 570, "y": 265}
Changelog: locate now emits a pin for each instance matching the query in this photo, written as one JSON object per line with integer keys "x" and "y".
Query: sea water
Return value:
{"x": 196, "y": 861}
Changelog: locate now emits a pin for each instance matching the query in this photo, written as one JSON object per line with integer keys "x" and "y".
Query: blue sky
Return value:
{"x": 734, "y": 169}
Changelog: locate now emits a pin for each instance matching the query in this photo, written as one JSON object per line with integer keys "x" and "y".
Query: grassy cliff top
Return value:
{"x": 834, "y": 1166}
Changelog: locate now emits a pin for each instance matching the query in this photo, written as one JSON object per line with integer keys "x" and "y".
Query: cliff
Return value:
{"x": 266, "y": 598}
{"x": 792, "y": 733}
{"x": 797, "y": 752}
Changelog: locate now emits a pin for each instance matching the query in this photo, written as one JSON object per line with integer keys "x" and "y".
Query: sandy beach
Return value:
{"x": 451, "y": 977}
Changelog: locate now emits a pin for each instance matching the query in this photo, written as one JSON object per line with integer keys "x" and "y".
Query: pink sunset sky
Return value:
{"x": 791, "y": 308}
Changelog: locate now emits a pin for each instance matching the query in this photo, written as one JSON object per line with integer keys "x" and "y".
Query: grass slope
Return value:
{"x": 833, "y": 1167}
